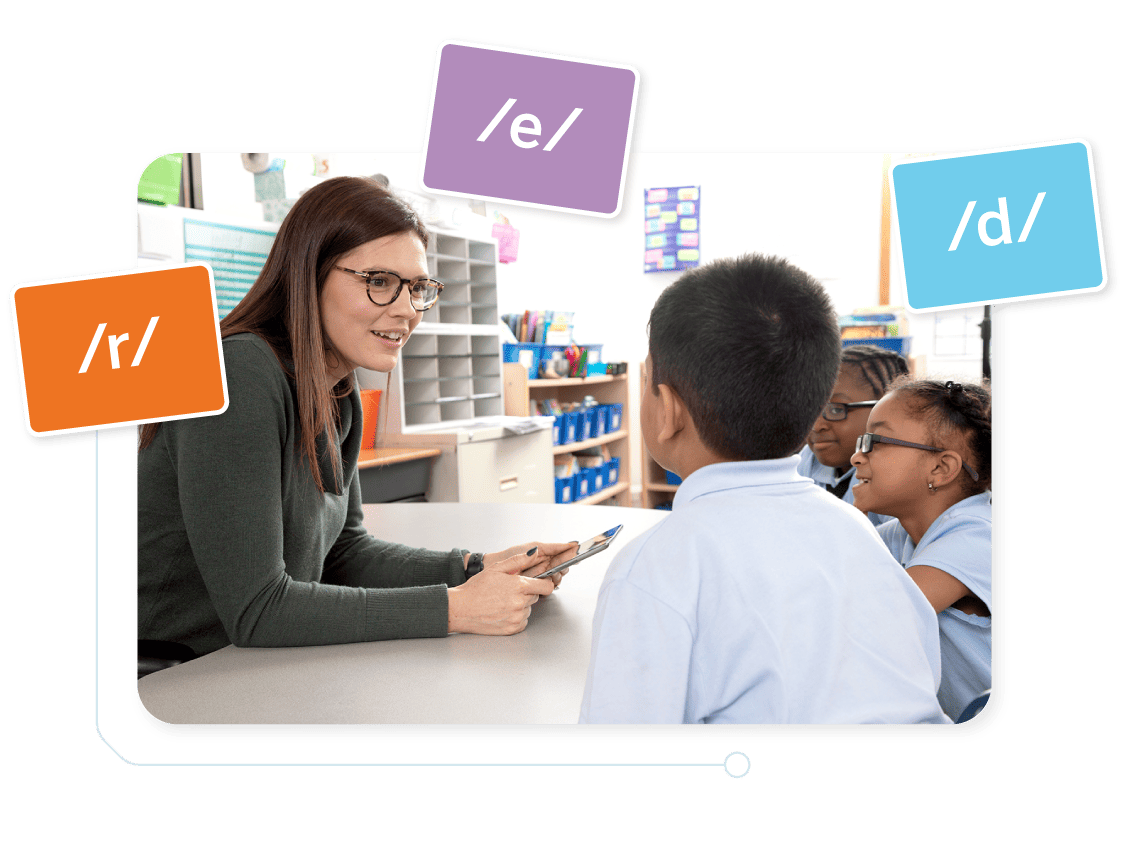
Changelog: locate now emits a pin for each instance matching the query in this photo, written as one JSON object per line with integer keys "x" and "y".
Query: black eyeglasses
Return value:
{"x": 866, "y": 442}
{"x": 837, "y": 411}
{"x": 384, "y": 285}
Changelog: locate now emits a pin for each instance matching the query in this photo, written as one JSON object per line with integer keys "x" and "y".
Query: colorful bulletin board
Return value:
{"x": 671, "y": 228}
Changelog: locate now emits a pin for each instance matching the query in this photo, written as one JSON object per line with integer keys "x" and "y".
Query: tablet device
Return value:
{"x": 585, "y": 550}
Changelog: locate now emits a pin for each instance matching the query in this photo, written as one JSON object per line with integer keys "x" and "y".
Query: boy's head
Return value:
{"x": 749, "y": 349}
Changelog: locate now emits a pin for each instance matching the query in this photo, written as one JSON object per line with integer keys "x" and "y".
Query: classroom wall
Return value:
{"x": 821, "y": 211}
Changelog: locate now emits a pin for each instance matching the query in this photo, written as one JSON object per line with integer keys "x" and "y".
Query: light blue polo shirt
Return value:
{"x": 959, "y": 542}
{"x": 761, "y": 598}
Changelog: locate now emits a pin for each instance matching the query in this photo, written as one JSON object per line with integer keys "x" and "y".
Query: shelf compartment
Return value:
{"x": 604, "y": 494}
{"x": 482, "y": 252}
{"x": 448, "y": 245}
{"x": 488, "y": 405}
{"x": 605, "y": 439}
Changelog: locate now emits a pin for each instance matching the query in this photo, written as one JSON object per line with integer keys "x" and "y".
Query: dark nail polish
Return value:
{"x": 532, "y": 551}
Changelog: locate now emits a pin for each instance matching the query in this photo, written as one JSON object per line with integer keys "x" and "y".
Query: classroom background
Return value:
{"x": 823, "y": 212}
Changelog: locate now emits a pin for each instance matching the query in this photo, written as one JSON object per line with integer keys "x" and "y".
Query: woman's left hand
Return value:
{"x": 546, "y": 556}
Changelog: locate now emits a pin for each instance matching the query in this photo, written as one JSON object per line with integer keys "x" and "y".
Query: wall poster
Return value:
{"x": 671, "y": 228}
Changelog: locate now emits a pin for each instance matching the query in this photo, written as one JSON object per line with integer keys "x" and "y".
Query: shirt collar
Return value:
{"x": 737, "y": 474}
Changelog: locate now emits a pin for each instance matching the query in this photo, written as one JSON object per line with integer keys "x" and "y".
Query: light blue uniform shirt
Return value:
{"x": 810, "y": 467}
{"x": 761, "y": 599}
{"x": 959, "y": 543}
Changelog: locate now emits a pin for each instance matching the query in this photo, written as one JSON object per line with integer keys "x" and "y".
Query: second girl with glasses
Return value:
{"x": 250, "y": 523}
{"x": 926, "y": 460}
{"x": 865, "y": 372}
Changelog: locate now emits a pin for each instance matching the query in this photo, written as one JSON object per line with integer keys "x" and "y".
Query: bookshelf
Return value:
{"x": 520, "y": 393}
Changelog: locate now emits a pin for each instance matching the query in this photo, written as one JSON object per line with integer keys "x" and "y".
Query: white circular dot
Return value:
{"x": 737, "y": 765}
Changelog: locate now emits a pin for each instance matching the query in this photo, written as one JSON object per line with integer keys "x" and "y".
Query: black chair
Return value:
{"x": 153, "y": 655}
{"x": 974, "y": 708}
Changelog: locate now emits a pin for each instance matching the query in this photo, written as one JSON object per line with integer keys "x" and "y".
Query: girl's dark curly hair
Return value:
{"x": 952, "y": 408}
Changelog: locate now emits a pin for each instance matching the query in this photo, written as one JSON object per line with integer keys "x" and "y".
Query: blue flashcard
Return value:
{"x": 998, "y": 226}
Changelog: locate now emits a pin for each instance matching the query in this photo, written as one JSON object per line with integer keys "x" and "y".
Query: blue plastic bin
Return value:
{"x": 530, "y": 354}
{"x": 597, "y": 421}
{"x": 570, "y": 428}
{"x": 612, "y": 469}
{"x": 585, "y": 420}
{"x": 613, "y": 418}
{"x": 592, "y": 478}
{"x": 581, "y": 485}
{"x": 673, "y": 478}
{"x": 564, "y": 490}
{"x": 557, "y": 431}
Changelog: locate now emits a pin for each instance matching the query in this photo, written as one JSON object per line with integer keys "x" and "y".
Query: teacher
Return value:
{"x": 250, "y": 522}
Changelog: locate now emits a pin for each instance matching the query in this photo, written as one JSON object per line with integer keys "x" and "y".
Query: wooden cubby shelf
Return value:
{"x": 520, "y": 393}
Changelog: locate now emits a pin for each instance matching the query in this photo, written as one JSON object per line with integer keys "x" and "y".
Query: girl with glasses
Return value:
{"x": 250, "y": 523}
{"x": 865, "y": 372}
{"x": 926, "y": 460}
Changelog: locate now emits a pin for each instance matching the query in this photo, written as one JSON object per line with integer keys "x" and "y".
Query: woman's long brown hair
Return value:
{"x": 283, "y": 305}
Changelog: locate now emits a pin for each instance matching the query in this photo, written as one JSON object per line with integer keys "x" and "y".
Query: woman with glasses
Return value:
{"x": 250, "y": 522}
{"x": 926, "y": 459}
{"x": 865, "y": 372}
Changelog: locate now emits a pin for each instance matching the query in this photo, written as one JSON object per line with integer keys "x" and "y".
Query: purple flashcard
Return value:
{"x": 530, "y": 129}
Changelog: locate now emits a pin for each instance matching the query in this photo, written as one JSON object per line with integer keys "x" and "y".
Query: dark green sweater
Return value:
{"x": 236, "y": 544}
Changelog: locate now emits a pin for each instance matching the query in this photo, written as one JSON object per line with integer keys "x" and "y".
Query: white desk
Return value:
{"x": 536, "y": 676}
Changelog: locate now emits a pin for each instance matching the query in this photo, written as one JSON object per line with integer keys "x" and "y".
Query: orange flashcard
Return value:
{"x": 120, "y": 349}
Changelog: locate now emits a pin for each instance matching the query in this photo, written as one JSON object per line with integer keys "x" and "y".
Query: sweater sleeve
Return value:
{"x": 229, "y": 471}
{"x": 359, "y": 560}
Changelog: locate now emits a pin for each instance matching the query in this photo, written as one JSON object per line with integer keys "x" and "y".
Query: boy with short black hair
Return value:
{"x": 761, "y": 598}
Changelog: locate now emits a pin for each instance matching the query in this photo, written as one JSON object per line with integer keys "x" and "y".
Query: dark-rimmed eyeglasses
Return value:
{"x": 837, "y": 411}
{"x": 384, "y": 287}
{"x": 866, "y": 442}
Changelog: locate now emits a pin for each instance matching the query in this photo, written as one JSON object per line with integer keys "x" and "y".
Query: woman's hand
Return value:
{"x": 542, "y": 557}
{"x": 497, "y": 600}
